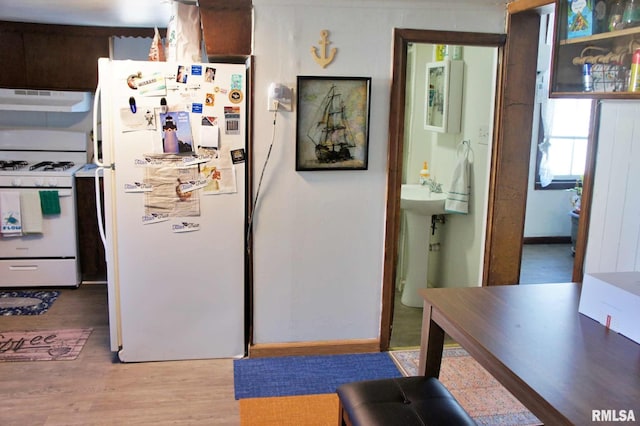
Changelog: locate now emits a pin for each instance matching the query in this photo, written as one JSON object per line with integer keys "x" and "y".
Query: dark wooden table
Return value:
{"x": 559, "y": 363}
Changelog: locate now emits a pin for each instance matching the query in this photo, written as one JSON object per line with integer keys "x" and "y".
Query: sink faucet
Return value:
{"x": 432, "y": 185}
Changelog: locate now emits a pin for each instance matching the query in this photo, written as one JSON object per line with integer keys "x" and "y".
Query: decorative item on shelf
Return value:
{"x": 608, "y": 72}
{"x": 615, "y": 15}
{"x": 600, "y": 11}
{"x": 580, "y": 18}
{"x": 323, "y": 60}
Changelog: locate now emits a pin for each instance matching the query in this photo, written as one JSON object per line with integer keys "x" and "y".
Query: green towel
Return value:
{"x": 49, "y": 202}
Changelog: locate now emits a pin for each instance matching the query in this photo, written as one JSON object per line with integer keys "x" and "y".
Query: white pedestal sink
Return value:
{"x": 419, "y": 204}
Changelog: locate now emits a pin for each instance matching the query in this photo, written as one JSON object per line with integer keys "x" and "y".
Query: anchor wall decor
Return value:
{"x": 323, "y": 60}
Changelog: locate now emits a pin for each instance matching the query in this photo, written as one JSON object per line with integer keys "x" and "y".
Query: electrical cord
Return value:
{"x": 264, "y": 166}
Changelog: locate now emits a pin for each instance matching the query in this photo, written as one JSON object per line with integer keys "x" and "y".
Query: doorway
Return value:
{"x": 402, "y": 39}
{"x": 510, "y": 160}
{"x": 560, "y": 146}
{"x": 447, "y": 252}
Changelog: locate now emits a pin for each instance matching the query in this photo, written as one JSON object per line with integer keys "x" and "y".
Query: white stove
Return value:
{"x": 41, "y": 158}
{"x": 37, "y": 161}
{"x": 40, "y": 174}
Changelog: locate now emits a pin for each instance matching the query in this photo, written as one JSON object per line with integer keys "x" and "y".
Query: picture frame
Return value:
{"x": 332, "y": 123}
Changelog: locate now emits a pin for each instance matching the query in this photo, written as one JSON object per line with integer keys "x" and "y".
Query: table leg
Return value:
{"x": 431, "y": 345}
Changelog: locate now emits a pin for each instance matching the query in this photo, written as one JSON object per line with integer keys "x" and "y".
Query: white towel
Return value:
{"x": 10, "y": 214}
{"x": 458, "y": 197}
{"x": 31, "y": 212}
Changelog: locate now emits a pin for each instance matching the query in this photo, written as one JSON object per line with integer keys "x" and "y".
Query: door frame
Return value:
{"x": 401, "y": 40}
{"x": 510, "y": 156}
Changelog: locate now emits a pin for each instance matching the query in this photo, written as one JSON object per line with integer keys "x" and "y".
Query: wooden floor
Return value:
{"x": 95, "y": 390}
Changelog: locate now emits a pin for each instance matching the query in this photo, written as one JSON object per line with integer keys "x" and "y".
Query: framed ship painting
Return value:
{"x": 333, "y": 123}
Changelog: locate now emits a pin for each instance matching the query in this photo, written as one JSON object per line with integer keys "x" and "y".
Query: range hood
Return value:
{"x": 44, "y": 100}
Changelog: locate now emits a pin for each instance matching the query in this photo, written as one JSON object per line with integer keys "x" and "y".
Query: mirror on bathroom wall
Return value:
{"x": 456, "y": 248}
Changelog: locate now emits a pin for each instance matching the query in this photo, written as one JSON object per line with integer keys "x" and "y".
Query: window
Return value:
{"x": 562, "y": 143}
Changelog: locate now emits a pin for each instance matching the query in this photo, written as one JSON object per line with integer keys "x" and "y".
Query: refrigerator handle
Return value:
{"x": 103, "y": 236}
{"x": 96, "y": 102}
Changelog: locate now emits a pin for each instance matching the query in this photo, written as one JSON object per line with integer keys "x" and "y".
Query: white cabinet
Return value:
{"x": 443, "y": 103}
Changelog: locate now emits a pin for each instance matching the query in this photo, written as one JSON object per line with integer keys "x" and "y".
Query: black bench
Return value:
{"x": 404, "y": 401}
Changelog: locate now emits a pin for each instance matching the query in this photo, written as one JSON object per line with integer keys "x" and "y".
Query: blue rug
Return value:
{"x": 307, "y": 375}
{"x": 26, "y": 302}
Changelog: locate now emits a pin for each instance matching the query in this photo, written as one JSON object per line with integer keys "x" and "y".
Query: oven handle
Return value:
{"x": 62, "y": 192}
{"x": 96, "y": 180}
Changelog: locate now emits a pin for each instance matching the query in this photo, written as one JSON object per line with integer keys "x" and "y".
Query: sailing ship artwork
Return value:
{"x": 333, "y": 122}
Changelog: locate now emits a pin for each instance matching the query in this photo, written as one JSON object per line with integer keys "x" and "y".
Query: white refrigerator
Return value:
{"x": 172, "y": 156}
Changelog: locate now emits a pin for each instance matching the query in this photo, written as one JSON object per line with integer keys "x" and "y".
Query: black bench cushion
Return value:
{"x": 403, "y": 401}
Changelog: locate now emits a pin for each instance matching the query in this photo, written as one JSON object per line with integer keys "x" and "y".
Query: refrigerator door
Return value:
{"x": 176, "y": 254}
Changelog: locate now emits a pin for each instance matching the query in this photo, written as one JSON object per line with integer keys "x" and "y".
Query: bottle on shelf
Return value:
{"x": 601, "y": 25}
{"x": 587, "y": 78}
{"x": 631, "y": 14}
{"x": 615, "y": 15}
{"x": 634, "y": 75}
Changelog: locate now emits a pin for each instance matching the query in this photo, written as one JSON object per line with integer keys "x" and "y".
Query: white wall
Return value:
{"x": 418, "y": 141}
{"x": 614, "y": 231}
{"x": 463, "y": 236}
{"x": 318, "y": 244}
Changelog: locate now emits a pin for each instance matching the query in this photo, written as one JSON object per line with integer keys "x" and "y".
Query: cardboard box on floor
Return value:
{"x": 613, "y": 299}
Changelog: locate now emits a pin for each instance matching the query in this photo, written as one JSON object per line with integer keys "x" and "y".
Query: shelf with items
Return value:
{"x": 603, "y": 37}
{"x": 607, "y": 54}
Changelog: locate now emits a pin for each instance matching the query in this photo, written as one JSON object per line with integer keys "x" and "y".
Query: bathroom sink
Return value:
{"x": 419, "y": 205}
{"x": 418, "y": 199}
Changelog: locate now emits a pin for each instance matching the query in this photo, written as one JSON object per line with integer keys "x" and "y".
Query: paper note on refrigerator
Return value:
{"x": 141, "y": 120}
{"x": 168, "y": 195}
{"x": 219, "y": 172}
{"x": 209, "y": 133}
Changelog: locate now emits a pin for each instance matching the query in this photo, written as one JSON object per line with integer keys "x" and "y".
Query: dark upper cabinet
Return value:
{"x": 589, "y": 59}
{"x": 226, "y": 28}
{"x": 56, "y": 57}
{"x": 65, "y": 57}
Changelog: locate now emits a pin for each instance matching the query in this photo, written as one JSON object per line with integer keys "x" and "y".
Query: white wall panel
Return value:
{"x": 614, "y": 232}
{"x": 319, "y": 236}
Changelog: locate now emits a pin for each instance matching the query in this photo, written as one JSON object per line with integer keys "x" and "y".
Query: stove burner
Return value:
{"x": 40, "y": 164}
{"x": 60, "y": 165}
{"x": 12, "y": 164}
{"x": 47, "y": 166}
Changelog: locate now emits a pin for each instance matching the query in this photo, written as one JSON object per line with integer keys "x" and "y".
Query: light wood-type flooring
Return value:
{"x": 96, "y": 390}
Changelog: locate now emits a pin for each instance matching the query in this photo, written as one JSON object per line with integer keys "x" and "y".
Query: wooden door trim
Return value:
{"x": 401, "y": 39}
{"x": 509, "y": 175}
{"x": 587, "y": 194}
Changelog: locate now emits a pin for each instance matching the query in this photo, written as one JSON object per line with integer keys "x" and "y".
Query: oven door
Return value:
{"x": 47, "y": 259}
{"x": 58, "y": 238}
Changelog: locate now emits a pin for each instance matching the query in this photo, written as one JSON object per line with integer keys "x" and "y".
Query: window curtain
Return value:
{"x": 546, "y": 120}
